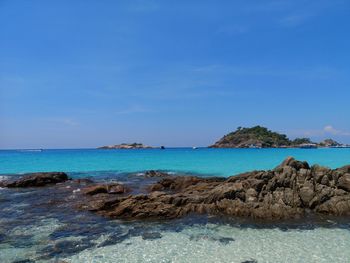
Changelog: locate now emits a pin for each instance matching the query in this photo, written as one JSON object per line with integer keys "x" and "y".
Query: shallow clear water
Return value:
{"x": 200, "y": 244}
{"x": 223, "y": 162}
{"x": 40, "y": 225}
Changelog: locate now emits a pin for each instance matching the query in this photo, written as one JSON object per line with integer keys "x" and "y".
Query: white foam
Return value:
{"x": 4, "y": 177}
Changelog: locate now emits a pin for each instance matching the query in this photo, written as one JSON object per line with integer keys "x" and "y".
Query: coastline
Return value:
{"x": 51, "y": 227}
{"x": 290, "y": 191}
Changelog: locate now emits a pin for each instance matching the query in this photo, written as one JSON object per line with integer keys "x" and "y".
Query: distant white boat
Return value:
{"x": 31, "y": 150}
{"x": 194, "y": 148}
{"x": 253, "y": 146}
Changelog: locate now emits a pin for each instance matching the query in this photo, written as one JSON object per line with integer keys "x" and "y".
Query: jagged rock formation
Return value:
{"x": 289, "y": 191}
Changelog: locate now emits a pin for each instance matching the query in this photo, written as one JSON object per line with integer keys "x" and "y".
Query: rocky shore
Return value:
{"x": 291, "y": 190}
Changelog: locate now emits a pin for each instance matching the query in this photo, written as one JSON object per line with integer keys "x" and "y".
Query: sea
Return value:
{"x": 37, "y": 225}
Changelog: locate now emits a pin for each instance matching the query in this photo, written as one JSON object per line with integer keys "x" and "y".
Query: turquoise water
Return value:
{"x": 221, "y": 162}
{"x": 42, "y": 225}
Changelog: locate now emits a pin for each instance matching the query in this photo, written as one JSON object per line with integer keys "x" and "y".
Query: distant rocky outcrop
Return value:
{"x": 126, "y": 146}
{"x": 36, "y": 180}
{"x": 252, "y": 137}
{"x": 261, "y": 137}
{"x": 330, "y": 143}
{"x": 291, "y": 190}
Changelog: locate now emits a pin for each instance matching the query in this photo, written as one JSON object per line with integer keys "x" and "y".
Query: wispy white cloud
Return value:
{"x": 289, "y": 13}
{"x": 133, "y": 109}
{"x": 310, "y": 72}
{"x": 68, "y": 122}
{"x": 143, "y": 6}
{"x": 295, "y": 19}
{"x": 231, "y": 30}
{"x": 329, "y": 129}
{"x": 298, "y": 13}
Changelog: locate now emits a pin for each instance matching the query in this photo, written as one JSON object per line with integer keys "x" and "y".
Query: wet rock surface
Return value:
{"x": 36, "y": 180}
{"x": 46, "y": 221}
{"x": 222, "y": 240}
{"x": 112, "y": 188}
{"x": 291, "y": 190}
{"x": 154, "y": 173}
{"x": 151, "y": 235}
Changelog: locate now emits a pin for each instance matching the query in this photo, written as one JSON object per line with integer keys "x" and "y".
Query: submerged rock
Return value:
{"x": 222, "y": 240}
{"x": 291, "y": 190}
{"x": 24, "y": 261}
{"x": 106, "y": 188}
{"x": 64, "y": 248}
{"x": 36, "y": 179}
{"x": 151, "y": 235}
{"x": 154, "y": 173}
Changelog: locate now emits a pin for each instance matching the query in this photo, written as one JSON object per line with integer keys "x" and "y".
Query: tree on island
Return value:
{"x": 262, "y": 137}
{"x": 299, "y": 141}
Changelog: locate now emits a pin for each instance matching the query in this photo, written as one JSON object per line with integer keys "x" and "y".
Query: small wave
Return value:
{"x": 3, "y": 178}
{"x": 31, "y": 150}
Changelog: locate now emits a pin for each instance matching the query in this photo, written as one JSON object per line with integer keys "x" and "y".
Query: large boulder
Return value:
{"x": 344, "y": 182}
{"x": 36, "y": 180}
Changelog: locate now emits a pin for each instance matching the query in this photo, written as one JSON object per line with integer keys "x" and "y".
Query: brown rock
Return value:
{"x": 153, "y": 173}
{"x": 37, "y": 179}
{"x": 344, "y": 182}
{"x": 251, "y": 195}
{"x": 289, "y": 191}
{"x": 306, "y": 194}
{"x": 105, "y": 188}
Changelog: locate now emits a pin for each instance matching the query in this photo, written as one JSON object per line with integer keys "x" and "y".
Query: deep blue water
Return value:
{"x": 221, "y": 162}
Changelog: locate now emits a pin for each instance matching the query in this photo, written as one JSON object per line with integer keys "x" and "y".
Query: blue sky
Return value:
{"x": 176, "y": 73}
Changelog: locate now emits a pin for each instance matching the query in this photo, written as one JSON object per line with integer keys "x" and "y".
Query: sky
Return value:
{"x": 87, "y": 73}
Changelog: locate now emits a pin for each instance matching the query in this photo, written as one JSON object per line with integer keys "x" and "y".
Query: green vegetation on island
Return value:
{"x": 261, "y": 137}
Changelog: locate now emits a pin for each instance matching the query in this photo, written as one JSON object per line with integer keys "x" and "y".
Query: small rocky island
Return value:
{"x": 126, "y": 146}
{"x": 294, "y": 189}
{"x": 261, "y": 137}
